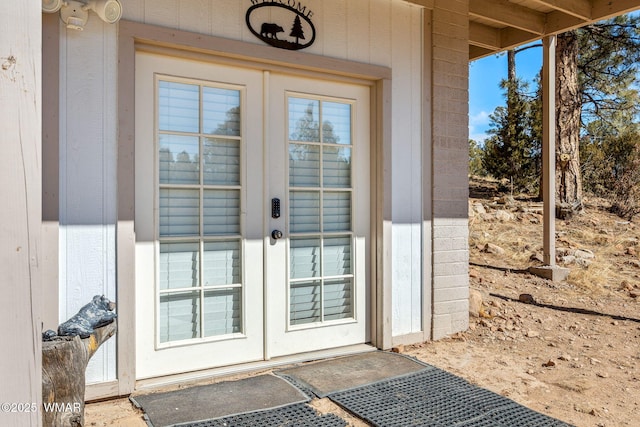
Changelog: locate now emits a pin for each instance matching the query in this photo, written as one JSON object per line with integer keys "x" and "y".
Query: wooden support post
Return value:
{"x": 550, "y": 270}
{"x": 21, "y": 251}
{"x": 549, "y": 149}
{"x": 64, "y": 362}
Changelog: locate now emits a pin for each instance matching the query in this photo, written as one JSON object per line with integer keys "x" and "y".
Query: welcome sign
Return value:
{"x": 285, "y": 24}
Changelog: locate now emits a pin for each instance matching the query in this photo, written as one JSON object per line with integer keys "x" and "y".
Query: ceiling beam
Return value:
{"x": 477, "y": 52}
{"x": 498, "y": 39}
{"x": 579, "y": 8}
{"x": 558, "y": 22}
{"x": 509, "y": 15}
{"x": 604, "y": 9}
{"x": 484, "y": 36}
{"x": 511, "y": 38}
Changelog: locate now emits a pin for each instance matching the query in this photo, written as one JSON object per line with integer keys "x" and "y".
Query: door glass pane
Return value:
{"x": 337, "y": 256}
{"x": 222, "y": 312}
{"x": 336, "y": 211}
{"x": 338, "y": 299}
{"x": 221, "y": 214}
{"x": 179, "y": 212}
{"x": 304, "y": 165}
{"x": 304, "y": 211}
{"x": 179, "y": 316}
{"x": 305, "y": 258}
{"x": 336, "y": 123}
{"x": 336, "y": 167}
{"x": 179, "y": 159}
{"x": 221, "y": 263}
{"x": 221, "y": 161}
{"x": 304, "y": 119}
{"x": 179, "y": 265}
{"x": 305, "y": 303}
{"x": 199, "y": 197}
{"x": 178, "y": 107}
{"x": 221, "y": 111}
{"x": 325, "y": 258}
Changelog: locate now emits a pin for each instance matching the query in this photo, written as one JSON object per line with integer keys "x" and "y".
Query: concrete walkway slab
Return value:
{"x": 218, "y": 400}
{"x": 330, "y": 376}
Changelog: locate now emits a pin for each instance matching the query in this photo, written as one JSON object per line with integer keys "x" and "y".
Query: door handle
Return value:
{"x": 276, "y": 234}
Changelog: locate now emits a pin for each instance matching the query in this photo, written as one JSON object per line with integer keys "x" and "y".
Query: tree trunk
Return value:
{"x": 511, "y": 134}
{"x": 568, "y": 110}
{"x": 64, "y": 362}
{"x": 511, "y": 88}
{"x": 511, "y": 66}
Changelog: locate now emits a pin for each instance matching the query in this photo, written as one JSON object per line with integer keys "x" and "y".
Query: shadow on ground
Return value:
{"x": 566, "y": 309}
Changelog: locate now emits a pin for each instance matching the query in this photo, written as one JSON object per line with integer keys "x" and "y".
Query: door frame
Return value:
{"x": 133, "y": 37}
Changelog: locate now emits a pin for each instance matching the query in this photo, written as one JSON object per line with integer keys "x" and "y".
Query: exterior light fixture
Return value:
{"x": 110, "y": 11}
{"x": 76, "y": 13}
{"x": 51, "y": 6}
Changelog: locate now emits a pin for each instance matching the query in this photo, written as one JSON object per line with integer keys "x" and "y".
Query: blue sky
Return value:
{"x": 485, "y": 93}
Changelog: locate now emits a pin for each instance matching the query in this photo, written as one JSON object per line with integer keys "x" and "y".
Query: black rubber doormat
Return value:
{"x": 436, "y": 398}
{"x": 297, "y": 415}
{"x": 217, "y": 400}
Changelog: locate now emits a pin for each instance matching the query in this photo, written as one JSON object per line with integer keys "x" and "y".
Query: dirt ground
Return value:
{"x": 573, "y": 357}
{"x": 568, "y": 349}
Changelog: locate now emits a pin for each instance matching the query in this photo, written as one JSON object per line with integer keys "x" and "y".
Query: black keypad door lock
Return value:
{"x": 275, "y": 208}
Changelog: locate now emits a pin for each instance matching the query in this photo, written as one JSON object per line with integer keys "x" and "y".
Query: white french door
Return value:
{"x": 319, "y": 160}
{"x": 199, "y": 247}
{"x": 221, "y": 279}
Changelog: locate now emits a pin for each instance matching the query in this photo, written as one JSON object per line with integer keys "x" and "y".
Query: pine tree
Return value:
{"x": 475, "y": 159}
{"x": 512, "y": 152}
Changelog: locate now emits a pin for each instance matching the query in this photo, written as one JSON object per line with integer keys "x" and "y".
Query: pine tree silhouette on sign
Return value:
{"x": 296, "y": 30}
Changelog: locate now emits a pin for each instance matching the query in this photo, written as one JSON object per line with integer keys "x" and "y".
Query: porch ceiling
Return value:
{"x": 498, "y": 25}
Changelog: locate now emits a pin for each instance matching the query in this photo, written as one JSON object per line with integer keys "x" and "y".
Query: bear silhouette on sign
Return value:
{"x": 271, "y": 30}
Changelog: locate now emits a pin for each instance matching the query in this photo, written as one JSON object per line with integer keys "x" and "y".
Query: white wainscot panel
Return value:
{"x": 406, "y": 293}
{"x": 87, "y": 268}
